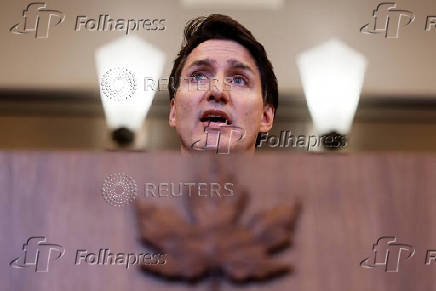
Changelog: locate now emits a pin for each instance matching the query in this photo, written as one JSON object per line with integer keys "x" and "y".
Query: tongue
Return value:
{"x": 214, "y": 124}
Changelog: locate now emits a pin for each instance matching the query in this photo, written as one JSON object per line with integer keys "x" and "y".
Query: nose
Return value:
{"x": 218, "y": 91}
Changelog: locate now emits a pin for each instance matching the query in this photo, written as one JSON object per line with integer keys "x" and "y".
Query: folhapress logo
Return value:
{"x": 388, "y": 20}
{"x": 387, "y": 253}
{"x": 219, "y": 139}
{"x": 38, "y": 20}
{"x": 39, "y": 254}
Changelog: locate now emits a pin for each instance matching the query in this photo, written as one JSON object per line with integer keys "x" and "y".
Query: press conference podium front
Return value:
{"x": 352, "y": 206}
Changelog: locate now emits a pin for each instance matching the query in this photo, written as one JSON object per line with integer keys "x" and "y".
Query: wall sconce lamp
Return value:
{"x": 122, "y": 67}
{"x": 332, "y": 75}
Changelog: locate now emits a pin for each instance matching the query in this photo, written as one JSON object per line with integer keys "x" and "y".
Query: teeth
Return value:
{"x": 216, "y": 118}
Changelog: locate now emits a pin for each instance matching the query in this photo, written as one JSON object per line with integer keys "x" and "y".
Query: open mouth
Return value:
{"x": 215, "y": 117}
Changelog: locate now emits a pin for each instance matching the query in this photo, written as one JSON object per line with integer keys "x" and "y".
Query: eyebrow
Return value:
{"x": 204, "y": 62}
{"x": 238, "y": 64}
{"x": 232, "y": 63}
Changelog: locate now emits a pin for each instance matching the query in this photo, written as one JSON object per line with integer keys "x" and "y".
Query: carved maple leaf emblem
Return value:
{"x": 211, "y": 238}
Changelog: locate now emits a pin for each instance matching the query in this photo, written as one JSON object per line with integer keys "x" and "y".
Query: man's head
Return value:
{"x": 222, "y": 81}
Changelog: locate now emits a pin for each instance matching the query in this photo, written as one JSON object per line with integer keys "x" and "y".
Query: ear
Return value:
{"x": 267, "y": 118}
{"x": 172, "y": 117}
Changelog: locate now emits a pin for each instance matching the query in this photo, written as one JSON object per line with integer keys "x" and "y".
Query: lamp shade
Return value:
{"x": 122, "y": 67}
{"x": 332, "y": 75}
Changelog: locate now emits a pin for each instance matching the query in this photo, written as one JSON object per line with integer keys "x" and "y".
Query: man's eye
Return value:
{"x": 238, "y": 80}
{"x": 198, "y": 77}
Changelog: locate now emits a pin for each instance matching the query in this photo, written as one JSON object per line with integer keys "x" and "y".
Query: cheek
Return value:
{"x": 185, "y": 105}
{"x": 250, "y": 109}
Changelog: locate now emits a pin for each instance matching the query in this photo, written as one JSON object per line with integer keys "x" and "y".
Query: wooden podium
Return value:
{"x": 349, "y": 201}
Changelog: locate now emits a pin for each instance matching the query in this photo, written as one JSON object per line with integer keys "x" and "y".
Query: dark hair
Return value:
{"x": 218, "y": 26}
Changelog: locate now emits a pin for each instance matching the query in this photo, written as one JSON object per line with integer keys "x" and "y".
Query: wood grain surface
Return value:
{"x": 349, "y": 201}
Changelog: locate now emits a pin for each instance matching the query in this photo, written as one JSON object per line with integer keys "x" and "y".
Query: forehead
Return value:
{"x": 221, "y": 51}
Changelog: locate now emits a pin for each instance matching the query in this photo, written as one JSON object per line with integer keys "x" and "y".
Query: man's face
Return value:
{"x": 220, "y": 91}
